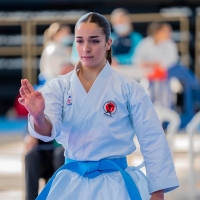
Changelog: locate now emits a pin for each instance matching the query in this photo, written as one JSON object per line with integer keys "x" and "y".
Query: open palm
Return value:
{"x": 32, "y": 100}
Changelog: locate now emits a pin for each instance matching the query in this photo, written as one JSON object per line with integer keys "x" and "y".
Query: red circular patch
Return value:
{"x": 110, "y": 108}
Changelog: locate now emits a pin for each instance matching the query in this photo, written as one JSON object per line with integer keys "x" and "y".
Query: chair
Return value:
{"x": 192, "y": 130}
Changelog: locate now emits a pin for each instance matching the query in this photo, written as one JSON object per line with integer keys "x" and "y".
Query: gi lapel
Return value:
{"x": 91, "y": 97}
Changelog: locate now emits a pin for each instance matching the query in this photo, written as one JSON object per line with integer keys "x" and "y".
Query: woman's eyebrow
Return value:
{"x": 89, "y": 36}
{"x": 93, "y": 36}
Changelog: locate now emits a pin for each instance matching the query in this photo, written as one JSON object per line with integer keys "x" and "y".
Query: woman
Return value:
{"x": 94, "y": 113}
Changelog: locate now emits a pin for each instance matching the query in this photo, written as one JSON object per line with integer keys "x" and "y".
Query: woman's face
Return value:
{"x": 91, "y": 44}
{"x": 121, "y": 24}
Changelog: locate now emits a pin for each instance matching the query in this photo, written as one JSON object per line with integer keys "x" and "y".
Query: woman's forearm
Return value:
{"x": 42, "y": 125}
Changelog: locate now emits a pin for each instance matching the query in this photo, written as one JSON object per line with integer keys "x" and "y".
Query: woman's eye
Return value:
{"x": 95, "y": 41}
{"x": 79, "y": 41}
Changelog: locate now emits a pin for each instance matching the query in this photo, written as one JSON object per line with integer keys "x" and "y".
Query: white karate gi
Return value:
{"x": 101, "y": 124}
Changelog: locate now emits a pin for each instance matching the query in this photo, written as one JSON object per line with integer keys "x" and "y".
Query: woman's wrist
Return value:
{"x": 158, "y": 195}
{"x": 39, "y": 120}
{"x": 42, "y": 125}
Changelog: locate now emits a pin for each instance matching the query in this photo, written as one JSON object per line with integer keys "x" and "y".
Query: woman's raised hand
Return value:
{"x": 32, "y": 100}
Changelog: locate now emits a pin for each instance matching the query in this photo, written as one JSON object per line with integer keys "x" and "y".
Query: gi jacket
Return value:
{"x": 102, "y": 123}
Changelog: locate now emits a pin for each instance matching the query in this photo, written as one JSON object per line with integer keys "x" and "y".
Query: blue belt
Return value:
{"x": 92, "y": 169}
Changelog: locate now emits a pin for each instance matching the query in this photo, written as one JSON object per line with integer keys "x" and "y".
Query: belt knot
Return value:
{"x": 89, "y": 169}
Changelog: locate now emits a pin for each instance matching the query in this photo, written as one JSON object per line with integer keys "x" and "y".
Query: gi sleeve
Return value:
{"x": 53, "y": 95}
{"x": 160, "y": 169}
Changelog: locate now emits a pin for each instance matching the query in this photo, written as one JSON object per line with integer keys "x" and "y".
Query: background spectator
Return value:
{"x": 55, "y": 59}
{"x": 125, "y": 39}
{"x": 157, "y": 48}
{"x": 157, "y": 53}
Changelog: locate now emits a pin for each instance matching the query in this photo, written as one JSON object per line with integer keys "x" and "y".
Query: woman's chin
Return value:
{"x": 88, "y": 63}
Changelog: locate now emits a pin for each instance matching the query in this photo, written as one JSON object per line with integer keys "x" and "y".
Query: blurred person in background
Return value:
{"x": 125, "y": 39}
{"x": 55, "y": 59}
{"x": 157, "y": 53}
{"x": 42, "y": 159}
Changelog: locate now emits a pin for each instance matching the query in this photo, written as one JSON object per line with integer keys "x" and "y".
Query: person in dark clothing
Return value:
{"x": 125, "y": 39}
{"x": 41, "y": 161}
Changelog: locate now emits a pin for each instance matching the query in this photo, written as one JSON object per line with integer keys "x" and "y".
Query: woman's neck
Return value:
{"x": 87, "y": 75}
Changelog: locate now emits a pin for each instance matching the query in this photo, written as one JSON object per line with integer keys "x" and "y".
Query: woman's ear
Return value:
{"x": 108, "y": 44}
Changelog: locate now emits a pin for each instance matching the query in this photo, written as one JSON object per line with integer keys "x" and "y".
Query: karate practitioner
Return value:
{"x": 94, "y": 112}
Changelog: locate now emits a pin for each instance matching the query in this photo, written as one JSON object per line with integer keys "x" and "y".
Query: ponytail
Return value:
{"x": 109, "y": 55}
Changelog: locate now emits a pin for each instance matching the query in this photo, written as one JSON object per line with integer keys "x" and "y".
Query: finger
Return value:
{"x": 26, "y": 86}
{"x": 29, "y": 86}
{"x": 21, "y": 101}
{"x": 22, "y": 93}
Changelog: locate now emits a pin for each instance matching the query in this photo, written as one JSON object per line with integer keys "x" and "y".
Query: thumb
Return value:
{"x": 21, "y": 101}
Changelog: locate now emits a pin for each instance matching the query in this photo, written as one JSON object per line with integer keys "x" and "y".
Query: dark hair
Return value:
{"x": 103, "y": 23}
{"x": 155, "y": 26}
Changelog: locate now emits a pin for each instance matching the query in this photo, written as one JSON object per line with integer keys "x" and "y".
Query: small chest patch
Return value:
{"x": 110, "y": 107}
{"x": 69, "y": 101}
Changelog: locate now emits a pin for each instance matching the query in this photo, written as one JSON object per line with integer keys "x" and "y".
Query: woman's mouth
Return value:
{"x": 86, "y": 57}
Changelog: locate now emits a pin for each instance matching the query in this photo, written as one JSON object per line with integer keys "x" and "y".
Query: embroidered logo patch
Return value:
{"x": 110, "y": 107}
{"x": 69, "y": 101}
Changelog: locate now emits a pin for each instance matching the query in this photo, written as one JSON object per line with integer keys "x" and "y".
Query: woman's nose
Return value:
{"x": 86, "y": 48}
